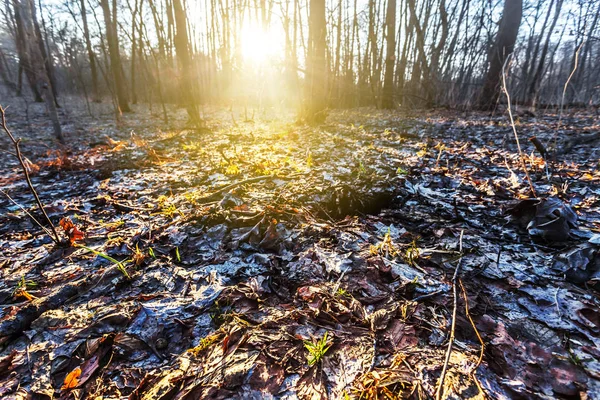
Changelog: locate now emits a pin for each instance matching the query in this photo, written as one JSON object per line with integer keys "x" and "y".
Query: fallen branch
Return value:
{"x": 568, "y": 145}
{"x": 20, "y": 321}
{"x": 226, "y": 188}
{"x": 16, "y": 142}
{"x": 438, "y": 393}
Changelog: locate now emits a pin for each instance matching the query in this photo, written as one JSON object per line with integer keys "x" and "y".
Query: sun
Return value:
{"x": 260, "y": 45}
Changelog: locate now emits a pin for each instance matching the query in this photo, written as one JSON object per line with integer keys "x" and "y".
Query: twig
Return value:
{"x": 564, "y": 92}
{"x": 482, "y": 350}
{"x": 16, "y": 142}
{"x": 249, "y": 180}
{"x": 438, "y": 393}
{"x": 512, "y": 124}
{"x": 27, "y": 212}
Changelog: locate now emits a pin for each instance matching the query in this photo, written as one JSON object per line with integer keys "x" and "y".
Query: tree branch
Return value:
{"x": 16, "y": 142}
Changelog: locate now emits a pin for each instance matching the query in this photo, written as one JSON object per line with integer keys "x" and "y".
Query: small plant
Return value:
{"x": 22, "y": 289}
{"x": 167, "y": 209}
{"x": 177, "y": 254}
{"x": 232, "y": 169}
{"x": 401, "y": 171}
{"x": 386, "y": 247}
{"x": 138, "y": 256}
{"x": 119, "y": 264}
{"x": 151, "y": 252}
{"x": 309, "y": 160}
{"x": 341, "y": 292}
{"x": 360, "y": 169}
{"x": 412, "y": 254}
{"x": 317, "y": 349}
{"x": 205, "y": 343}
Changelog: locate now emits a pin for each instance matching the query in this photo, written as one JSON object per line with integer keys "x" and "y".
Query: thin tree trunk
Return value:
{"x": 505, "y": 43}
{"x": 115, "y": 58}
{"x": 316, "y": 89}
{"x": 33, "y": 62}
{"x": 387, "y": 100}
{"x": 187, "y": 82}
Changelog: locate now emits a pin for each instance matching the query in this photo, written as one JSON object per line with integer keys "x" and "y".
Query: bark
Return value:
{"x": 387, "y": 100}
{"x": 32, "y": 60}
{"x": 46, "y": 55}
{"x": 315, "y": 101}
{"x": 115, "y": 58}
{"x": 90, "y": 52}
{"x": 537, "y": 77}
{"x": 504, "y": 45}
{"x": 5, "y": 73}
{"x": 188, "y": 79}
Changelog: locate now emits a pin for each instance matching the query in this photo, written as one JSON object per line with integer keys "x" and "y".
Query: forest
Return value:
{"x": 299, "y": 199}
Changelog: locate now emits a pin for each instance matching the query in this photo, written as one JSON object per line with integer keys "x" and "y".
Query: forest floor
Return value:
{"x": 259, "y": 258}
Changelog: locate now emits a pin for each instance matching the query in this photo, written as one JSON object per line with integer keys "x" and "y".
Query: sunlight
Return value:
{"x": 258, "y": 44}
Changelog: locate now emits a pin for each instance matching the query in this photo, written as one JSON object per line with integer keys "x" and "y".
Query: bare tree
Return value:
{"x": 503, "y": 46}
{"x": 116, "y": 67}
{"x": 188, "y": 78}
{"x": 32, "y": 60}
{"x": 316, "y": 90}
{"x": 387, "y": 100}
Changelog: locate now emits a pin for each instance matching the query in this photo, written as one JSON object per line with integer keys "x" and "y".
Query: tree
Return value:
{"x": 32, "y": 60}
{"x": 503, "y": 46}
{"x": 115, "y": 58}
{"x": 188, "y": 80}
{"x": 387, "y": 99}
{"x": 316, "y": 90}
{"x": 90, "y": 52}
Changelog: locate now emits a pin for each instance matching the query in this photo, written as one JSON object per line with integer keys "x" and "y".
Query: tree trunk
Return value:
{"x": 537, "y": 77}
{"x": 188, "y": 78}
{"x": 90, "y": 52}
{"x": 387, "y": 100}
{"x": 46, "y": 55}
{"x": 505, "y": 43}
{"x": 115, "y": 58}
{"x": 32, "y": 60}
{"x": 315, "y": 102}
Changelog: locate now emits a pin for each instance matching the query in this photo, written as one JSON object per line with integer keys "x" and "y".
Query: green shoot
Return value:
{"x": 401, "y": 171}
{"x": 151, "y": 252}
{"x": 22, "y": 286}
{"x": 177, "y": 254}
{"x": 317, "y": 349}
{"x": 119, "y": 264}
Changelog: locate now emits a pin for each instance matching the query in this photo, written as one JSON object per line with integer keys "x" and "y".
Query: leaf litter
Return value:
{"x": 267, "y": 259}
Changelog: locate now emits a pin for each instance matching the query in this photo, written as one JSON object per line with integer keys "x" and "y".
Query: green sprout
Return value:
{"x": 177, "y": 254}
{"x": 401, "y": 171}
{"x": 317, "y": 349}
{"x": 21, "y": 290}
{"x": 151, "y": 252}
{"x": 119, "y": 264}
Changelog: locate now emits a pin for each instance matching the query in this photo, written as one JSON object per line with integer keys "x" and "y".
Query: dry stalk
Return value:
{"x": 514, "y": 128}
{"x": 482, "y": 350}
{"x": 438, "y": 393}
{"x": 564, "y": 92}
{"x": 16, "y": 142}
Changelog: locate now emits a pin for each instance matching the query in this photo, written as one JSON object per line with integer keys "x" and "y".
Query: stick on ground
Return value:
{"x": 438, "y": 393}
{"x": 16, "y": 142}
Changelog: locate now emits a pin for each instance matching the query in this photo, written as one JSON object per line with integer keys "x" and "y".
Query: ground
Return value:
{"x": 261, "y": 258}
